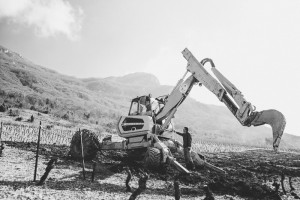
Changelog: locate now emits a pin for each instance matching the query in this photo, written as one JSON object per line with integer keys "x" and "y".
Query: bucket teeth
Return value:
{"x": 276, "y": 120}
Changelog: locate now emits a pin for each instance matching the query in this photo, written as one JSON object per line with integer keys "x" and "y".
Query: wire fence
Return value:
{"x": 24, "y": 133}
{"x": 54, "y": 135}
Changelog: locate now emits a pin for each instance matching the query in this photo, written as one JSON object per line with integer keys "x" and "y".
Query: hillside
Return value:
{"x": 26, "y": 85}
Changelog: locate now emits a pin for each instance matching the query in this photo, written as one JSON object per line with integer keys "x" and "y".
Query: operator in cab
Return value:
{"x": 187, "y": 144}
{"x": 151, "y": 106}
{"x": 148, "y": 109}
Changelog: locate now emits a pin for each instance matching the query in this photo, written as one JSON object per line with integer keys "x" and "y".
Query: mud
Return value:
{"x": 255, "y": 174}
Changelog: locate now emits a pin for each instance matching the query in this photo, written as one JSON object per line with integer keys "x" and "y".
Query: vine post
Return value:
{"x": 82, "y": 155}
{"x": 1, "y": 132}
{"x": 37, "y": 152}
{"x": 1, "y": 144}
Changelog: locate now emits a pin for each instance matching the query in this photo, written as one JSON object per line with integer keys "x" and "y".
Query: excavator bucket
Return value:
{"x": 275, "y": 119}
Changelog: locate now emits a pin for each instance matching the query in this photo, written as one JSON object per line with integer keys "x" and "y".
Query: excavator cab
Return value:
{"x": 140, "y": 106}
{"x": 139, "y": 121}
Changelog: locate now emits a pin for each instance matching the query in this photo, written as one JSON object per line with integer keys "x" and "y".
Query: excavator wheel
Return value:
{"x": 152, "y": 157}
{"x": 137, "y": 154}
{"x": 90, "y": 145}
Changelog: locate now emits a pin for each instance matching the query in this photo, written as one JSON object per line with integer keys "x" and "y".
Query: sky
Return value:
{"x": 255, "y": 44}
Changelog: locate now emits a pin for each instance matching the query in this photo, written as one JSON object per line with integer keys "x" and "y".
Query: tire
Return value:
{"x": 137, "y": 154}
{"x": 152, "y": 157}
{"x": 90, "y": 143}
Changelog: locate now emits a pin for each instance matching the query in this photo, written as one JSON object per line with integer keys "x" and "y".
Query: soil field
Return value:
{"x": 252, "y": 174}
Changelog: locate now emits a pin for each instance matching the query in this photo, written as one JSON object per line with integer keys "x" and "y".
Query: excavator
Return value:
{"x": 148, "y": 127}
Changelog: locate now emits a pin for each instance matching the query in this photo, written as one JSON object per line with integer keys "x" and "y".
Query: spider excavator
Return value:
{"x": 148, "y": 127}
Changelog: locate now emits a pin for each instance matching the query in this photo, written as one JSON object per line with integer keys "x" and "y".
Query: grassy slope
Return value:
{"x": 26, "y": 84}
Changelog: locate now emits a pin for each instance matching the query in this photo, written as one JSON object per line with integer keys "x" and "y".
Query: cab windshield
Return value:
{"x": 137, "y": 108}
{"x": 140, "y": 106}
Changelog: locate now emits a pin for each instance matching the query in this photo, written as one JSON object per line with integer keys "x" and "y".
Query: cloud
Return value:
{"x": 47, "y": 17}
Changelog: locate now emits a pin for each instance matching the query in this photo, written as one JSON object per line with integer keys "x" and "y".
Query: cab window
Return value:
{"x": 137, "y": 108}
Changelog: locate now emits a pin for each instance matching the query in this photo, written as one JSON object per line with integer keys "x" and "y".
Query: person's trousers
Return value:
{"x": 188, "y": 158}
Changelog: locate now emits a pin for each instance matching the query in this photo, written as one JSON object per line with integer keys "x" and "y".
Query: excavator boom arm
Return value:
{"x": 226, "y": 92}
{"x": 175, "y": 98}
{"x": 240, "y": 108}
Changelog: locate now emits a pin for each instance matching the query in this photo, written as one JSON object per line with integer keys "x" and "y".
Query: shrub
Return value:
{"x": 11, "y": 95}
{"x": 25, "y": 77}
{"x": 19, "y": 119}
{"x": 20, "y": 105}
{"x": 40, "y": 102}
{"x": 31, "y": 99}
{"x": 44, "y": 110}
{"x": 49, "y": 127}
{"x": 65, "y": 116}
{"x": 87, "y": 116}
{"x": 2, "y": 93}
{"x": 13, "y": 113}
{"x": 2, "y": 108}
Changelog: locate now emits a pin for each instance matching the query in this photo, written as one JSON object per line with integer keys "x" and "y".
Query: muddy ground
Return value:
{"x": 252, "y": 174}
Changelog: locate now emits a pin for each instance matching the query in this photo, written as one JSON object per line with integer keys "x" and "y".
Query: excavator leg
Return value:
{"x": 272, "y": 117}
{"x": 198, "y": 161}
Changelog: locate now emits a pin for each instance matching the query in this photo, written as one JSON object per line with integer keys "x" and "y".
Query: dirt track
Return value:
{"x": 250, "y": 175}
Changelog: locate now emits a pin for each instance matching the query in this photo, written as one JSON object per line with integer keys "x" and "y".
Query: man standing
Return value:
{"x": 187, "y": 144}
